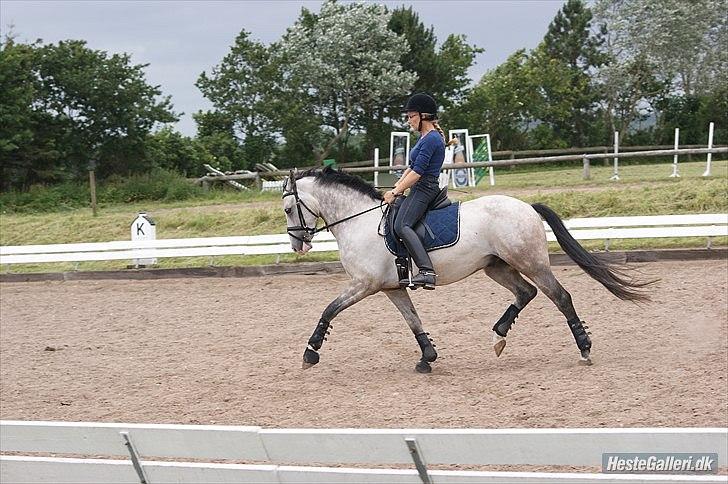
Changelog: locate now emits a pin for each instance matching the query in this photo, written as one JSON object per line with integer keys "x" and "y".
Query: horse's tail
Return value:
{"x": 614, "y": 279}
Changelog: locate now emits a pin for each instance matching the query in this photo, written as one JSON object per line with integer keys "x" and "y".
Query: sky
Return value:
{"x": 181, "y": 39}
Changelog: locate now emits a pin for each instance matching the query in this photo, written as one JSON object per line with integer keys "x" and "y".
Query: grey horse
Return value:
{"x": 500, "y": 235}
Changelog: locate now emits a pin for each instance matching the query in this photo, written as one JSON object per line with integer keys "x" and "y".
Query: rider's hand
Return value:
{"x": 389, "y": 197}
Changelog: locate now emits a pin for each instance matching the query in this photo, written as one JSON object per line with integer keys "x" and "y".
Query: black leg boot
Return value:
{"x": 427, "y": 277}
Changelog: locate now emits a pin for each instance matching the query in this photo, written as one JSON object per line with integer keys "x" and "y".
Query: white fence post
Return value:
{"x": 376, "y": 165}
{"x": 615, "y": 176}
{"x": 710, "y": 146}
{"x": 675, "y": 174}
{"x": 490, "y": 158}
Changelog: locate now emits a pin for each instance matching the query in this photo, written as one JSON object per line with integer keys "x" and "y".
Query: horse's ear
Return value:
{"x": 292, "y": 179}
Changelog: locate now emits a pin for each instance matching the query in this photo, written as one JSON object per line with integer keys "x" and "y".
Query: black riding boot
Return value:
{"x": 427, "y": 277}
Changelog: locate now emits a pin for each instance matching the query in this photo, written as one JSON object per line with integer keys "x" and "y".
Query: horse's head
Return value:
{"x": 301, "y": 210}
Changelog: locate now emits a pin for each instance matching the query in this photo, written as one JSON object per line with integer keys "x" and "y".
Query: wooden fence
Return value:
{"x": 582, "y": 155}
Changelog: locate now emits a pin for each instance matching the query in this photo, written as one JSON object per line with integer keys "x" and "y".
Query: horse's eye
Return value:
{"x": 287, "y": 210}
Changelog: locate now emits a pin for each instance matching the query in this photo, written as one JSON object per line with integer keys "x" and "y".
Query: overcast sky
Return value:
{"x": 181, "y": 39}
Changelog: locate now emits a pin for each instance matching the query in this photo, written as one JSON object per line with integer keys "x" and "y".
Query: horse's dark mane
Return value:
{"x": 329, "y": 177}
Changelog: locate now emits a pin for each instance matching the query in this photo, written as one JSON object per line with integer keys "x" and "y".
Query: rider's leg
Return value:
{"x": 412, "y": 210}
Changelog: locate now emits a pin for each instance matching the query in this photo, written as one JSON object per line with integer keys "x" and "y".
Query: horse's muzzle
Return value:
{"x": 305, "y": 247}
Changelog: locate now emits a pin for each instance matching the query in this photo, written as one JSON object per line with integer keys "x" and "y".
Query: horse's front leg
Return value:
{"x": 354, "y": 292}
{"x": 402, "y": 301}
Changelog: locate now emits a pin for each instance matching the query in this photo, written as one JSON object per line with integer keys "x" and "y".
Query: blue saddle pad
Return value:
{"x": 444, "y": 225}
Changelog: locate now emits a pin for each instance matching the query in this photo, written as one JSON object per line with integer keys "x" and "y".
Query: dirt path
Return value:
{"x": 228, "y": 351}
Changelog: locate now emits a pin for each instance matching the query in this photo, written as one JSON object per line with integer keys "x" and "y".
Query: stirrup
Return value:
{"x": 425, "y": 279}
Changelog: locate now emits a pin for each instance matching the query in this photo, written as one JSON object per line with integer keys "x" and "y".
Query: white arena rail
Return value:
{"x": 601, "y": 228}
{"x": 184, "y": 453}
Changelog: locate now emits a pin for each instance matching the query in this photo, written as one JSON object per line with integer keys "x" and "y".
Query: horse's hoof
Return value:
{"x": 423, "y": 367}
{"x": 585, "y": 358}
{"x": 310, "y": 358}
{"x": 499, "y": 343}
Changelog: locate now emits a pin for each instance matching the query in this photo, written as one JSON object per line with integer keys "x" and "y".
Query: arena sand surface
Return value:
{"x": 228, "y": 351}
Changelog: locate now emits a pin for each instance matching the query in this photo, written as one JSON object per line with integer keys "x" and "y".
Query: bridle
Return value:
{"x": 309, "y": 232}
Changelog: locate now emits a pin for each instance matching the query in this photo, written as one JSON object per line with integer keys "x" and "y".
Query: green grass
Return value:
{"x": 230, "y": 213}
{"x": 541, "y": 176}
{"x": 683, "y": 196}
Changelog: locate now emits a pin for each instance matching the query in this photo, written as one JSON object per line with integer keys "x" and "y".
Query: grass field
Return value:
{"x": 642, "y": 190}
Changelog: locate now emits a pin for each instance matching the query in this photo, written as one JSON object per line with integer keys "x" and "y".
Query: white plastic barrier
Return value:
{"x": 130, "y": 450}
{"x": 601, "y": 228}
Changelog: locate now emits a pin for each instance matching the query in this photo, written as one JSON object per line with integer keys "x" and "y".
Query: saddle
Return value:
{"x": 438, "y": 229}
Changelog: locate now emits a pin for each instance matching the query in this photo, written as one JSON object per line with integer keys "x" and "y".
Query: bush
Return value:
{"x": 158, "y": 185}
{"x": 40, "y": 198}
{"x": 161, "y": 185}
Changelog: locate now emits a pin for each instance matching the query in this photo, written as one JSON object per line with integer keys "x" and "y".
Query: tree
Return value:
{"x": 667, "y": 59}
{"x": 341, "y": 61}
{"x": 103, "y": 102}
{"x": 27, "y": 150}
{"x": 170, "y": 150}
{"x": 215, "y": 135}
{"x": 443, "y": 72}
{"x": 684, "y": 40}
{"x": 500, "y": 104}
{"x": 692, "y": 114}
{"x": 240, "y": 90}
{"x": 70, "y": 104}
{"x": 565, "y": 60}
{"x": 630, "y": 90}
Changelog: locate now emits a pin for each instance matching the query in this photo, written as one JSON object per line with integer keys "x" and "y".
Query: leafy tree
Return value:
{"x": 70, "y": 104}
{"x": 342, "y": 61}
{"x": 668, "y": 59}
{"x": 693, "y": 114}
{"x": 27, "y": 149}
{"x": 170, "y": 150}
{"x": 443, "y": 72}
{"x": 630, "y": 90}
{"x": 240, "y": 90}
{"x": 500, "y": 104}
{"x": 684, "y": 40}
{"x": 215, "y": 134}
{"x": 565, "y": 60}
{"x": 103, "y": 102}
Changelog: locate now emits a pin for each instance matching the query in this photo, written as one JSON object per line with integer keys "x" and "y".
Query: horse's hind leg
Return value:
{"x": 402, "y": 301}
{"x": 546, "y": 281}
{"x": 511, "y": 279}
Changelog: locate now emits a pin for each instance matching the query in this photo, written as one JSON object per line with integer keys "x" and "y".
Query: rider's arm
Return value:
{"x": 409, "y": 178}
{"x": 404, "y": 175}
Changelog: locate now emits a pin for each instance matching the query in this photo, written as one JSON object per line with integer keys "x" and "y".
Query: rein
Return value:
{"x": 311, "y": 231}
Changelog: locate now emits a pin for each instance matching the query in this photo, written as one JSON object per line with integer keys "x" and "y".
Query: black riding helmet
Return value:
{"x": 424, "y": 104}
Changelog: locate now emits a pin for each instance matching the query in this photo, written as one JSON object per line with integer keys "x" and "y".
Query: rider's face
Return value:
{"x": 413, "y": 118}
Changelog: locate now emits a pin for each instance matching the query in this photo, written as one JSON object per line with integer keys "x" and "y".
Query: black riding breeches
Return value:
{"x": 411, "y": 211}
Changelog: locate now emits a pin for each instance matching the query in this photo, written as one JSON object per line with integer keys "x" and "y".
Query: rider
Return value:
{"x": 422, "y": 177}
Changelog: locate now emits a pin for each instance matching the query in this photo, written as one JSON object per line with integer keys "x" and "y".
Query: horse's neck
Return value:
{"x": 338, "y": 205}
